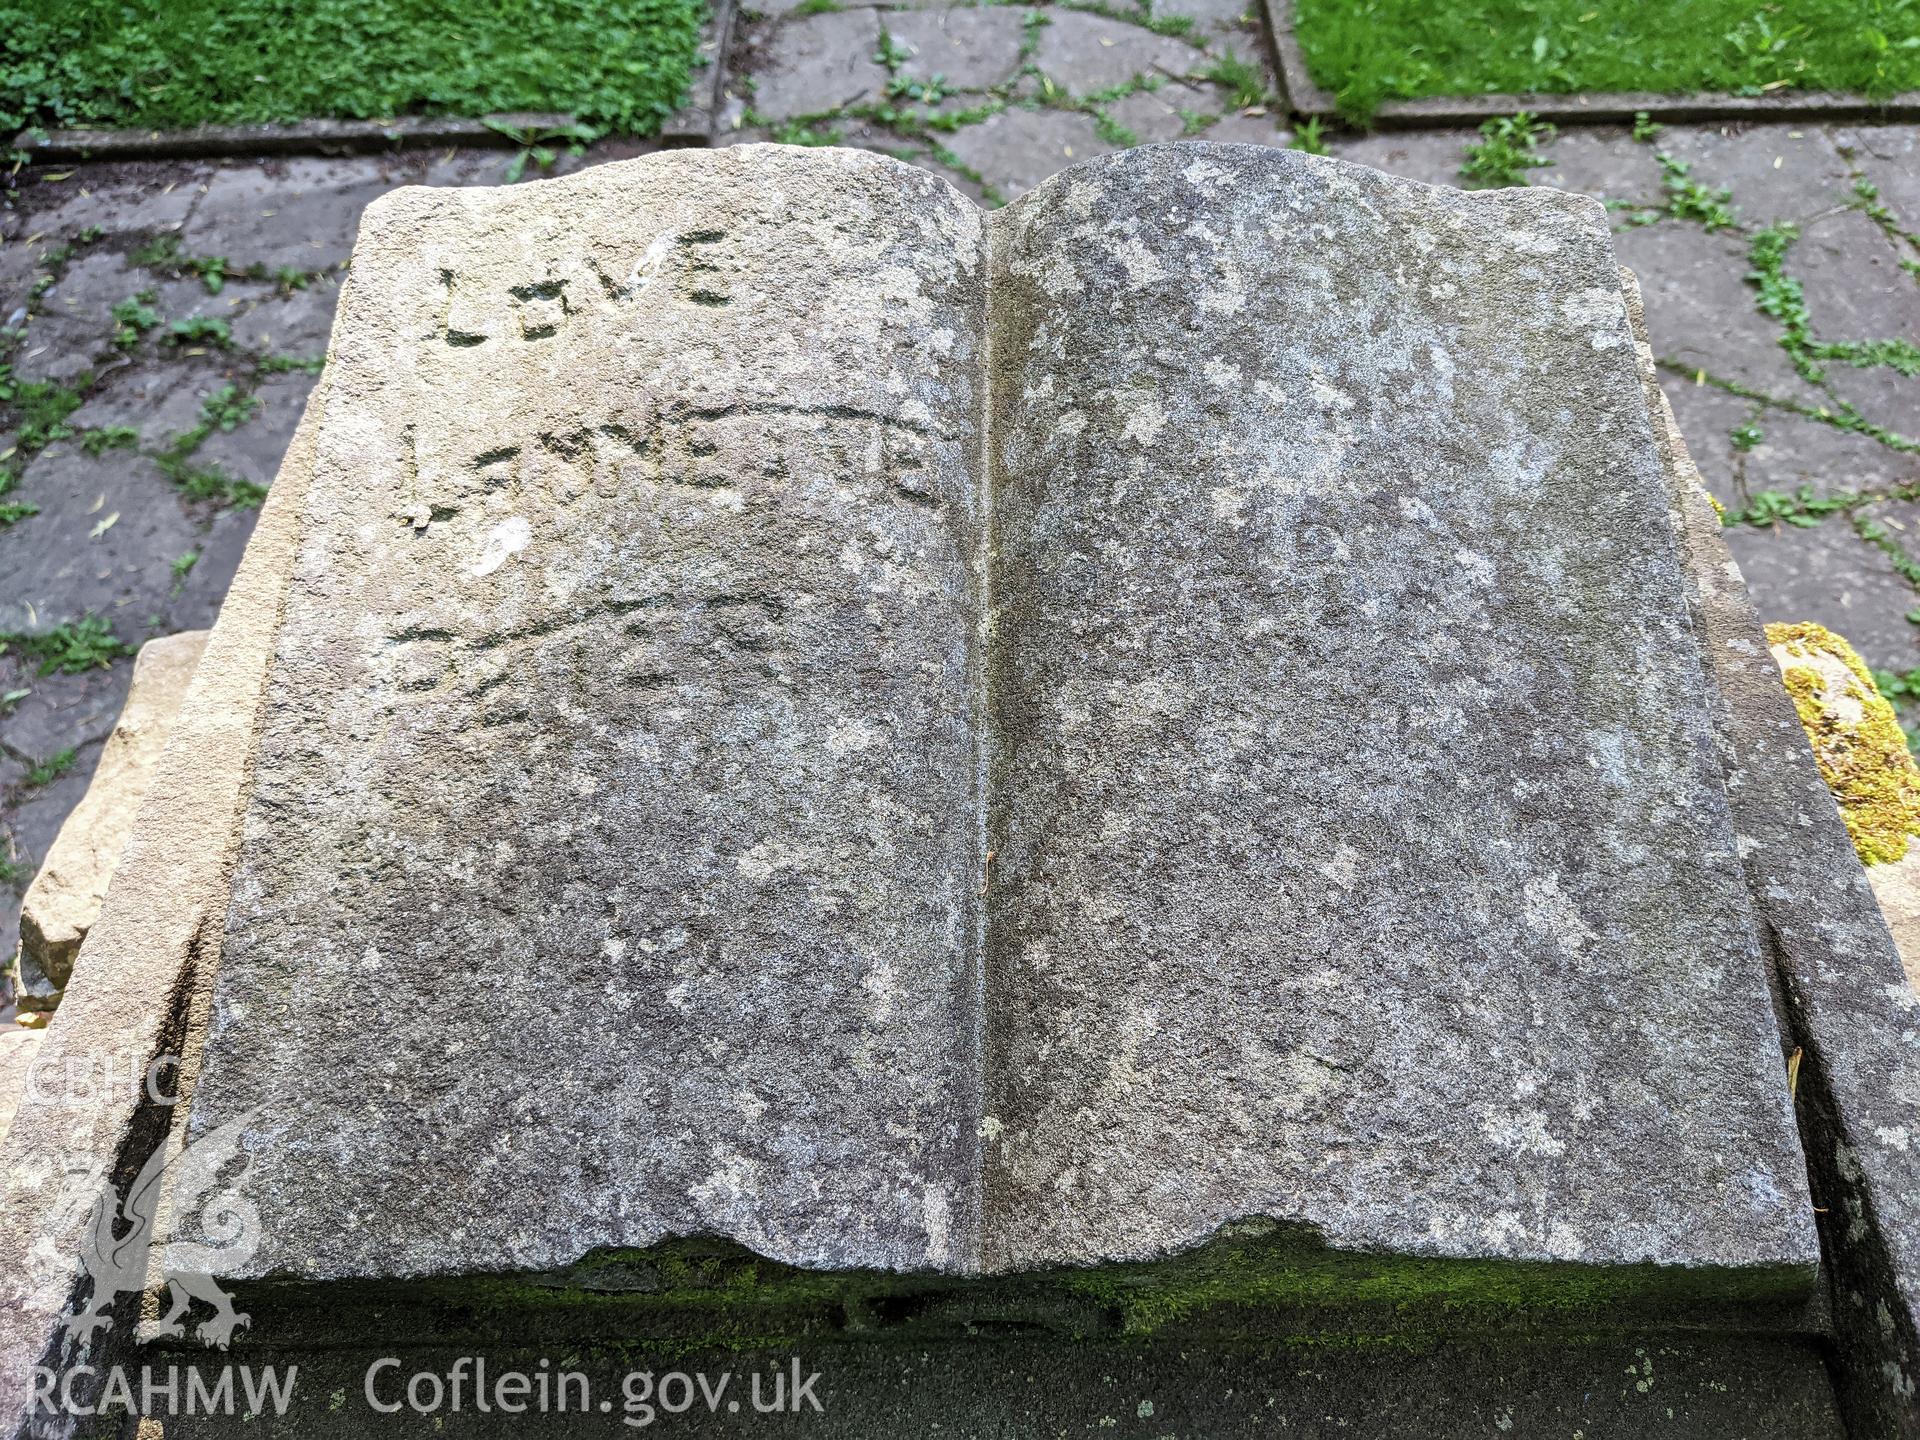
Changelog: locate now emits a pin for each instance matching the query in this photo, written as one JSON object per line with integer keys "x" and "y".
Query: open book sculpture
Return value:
{"x": 794, "y": 712}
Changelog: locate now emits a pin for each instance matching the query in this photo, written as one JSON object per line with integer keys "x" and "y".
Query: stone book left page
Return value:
{"x": 616, "y": 786}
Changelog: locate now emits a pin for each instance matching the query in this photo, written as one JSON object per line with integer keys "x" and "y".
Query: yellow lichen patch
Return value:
{"x": 1856, "y": 739}
{"x": 1718, "y": 508}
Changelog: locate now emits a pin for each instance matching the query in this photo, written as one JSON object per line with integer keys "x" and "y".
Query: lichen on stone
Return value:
{"x": 1856, "y": 739}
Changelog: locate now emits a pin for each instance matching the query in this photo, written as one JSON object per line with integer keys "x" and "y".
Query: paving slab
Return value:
{"x": 1776, "y": 172}
{"x": 298, "y": 213}
{"x": 1700, "y": 309}
{"x": 810, "y": 64}
{"x": 972, "y": 48}
{"x": 1829, "y": 575}
{"x": 1020, "y": 147}
{"x": 1794, "y": 451}
{"x": 1086, "y": 53}
{"x": 1243, "y": 129}
{"x": 159, "y": 394}
{"x": 103, "y": 543}
{"x": 1433, "y": 158}
{"x": 124, "y": 201}
{"x": 61, "y": 711}
{"x": 1888, "y": 156}
{"x": 1605, "y": 162}
{"x": 252, "y": 451}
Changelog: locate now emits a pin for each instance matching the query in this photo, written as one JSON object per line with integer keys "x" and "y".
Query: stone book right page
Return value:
{"x": 1361, "y": 857}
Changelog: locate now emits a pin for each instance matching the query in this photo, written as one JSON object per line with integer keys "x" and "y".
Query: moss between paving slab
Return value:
{"x": 1370, "y": 51}
{"x": 618, "y": 66}
{"x": 1261, "y": 1279}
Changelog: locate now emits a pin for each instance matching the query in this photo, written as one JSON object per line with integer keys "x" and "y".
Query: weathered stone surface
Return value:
{"x": 622, "y": 751}
{"x": 1309, "y": 735}
{"x": 723, "y": 479}
{"x": 65, "y": 897}
{"x": 1846, "y": 1007}
{"x": 144, "y": 965}
{"x": 18, "y": 1049}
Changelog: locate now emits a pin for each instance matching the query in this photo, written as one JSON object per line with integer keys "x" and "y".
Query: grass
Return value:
{"x": 615, "y": 65}
{"x": 1370, "y": 51}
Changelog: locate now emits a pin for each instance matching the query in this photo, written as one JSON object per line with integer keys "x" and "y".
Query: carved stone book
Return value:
{"x": 809, "y": 715}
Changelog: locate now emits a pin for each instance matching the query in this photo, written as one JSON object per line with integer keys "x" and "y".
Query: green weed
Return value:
{"x": 46, "y": 771}
{"x": 1506, "y": 150}
{"x": 1244, "y": 80}
{"x": 71, "y": 647}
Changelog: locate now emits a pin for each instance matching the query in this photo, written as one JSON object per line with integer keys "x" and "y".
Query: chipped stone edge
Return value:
{"x": 1309, "y": 100}
{"x": 1839, "y": 983}
{"x": 139, "y": 977}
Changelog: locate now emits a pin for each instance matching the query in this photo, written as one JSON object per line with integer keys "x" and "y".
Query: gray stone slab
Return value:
{"x": 1018, "y": 148}
{"x": 974, "y": 49}
{"x": 1238, "y": 129}
{"x": 1888, "y": 156}
{"x": 1701, "y": 310}
{"x": 63, "y": 712}
{"x": 760, "y": 538}
{"x": 109, "y": 527}
{"x": 253, "y": 451}
{"x": 160, "y": 395}
{"x": 65, "y": 898}
{"x": 299, "y": 213}
{"x": 1829, "y": 575}
{"x": 1432, "y": 158}
{"x": 117, "y": 206}
{"x": 293, "y": 324}
{"x": 1855, "y": 290}
{"x": 1795, "y": 450}
{"x": 1846, "y": 1006}
{"x": 1604, "y": 162}
{"x": 1160, "y": 115}
{"x": 1776, "y": 172}
{"x": 1271, "y": 667}
{"x": 811, "y": 64}
{"x": 1086, "y": 53}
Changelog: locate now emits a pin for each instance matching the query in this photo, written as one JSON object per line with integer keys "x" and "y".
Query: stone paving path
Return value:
{"x": 164, "y": 321}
